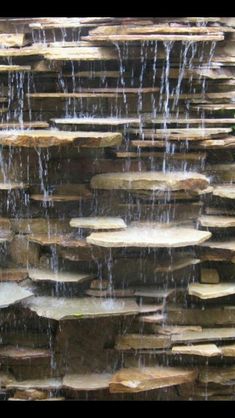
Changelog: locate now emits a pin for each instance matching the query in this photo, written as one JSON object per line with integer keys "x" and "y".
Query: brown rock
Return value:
{"x": 149, "y": 378}
{"x": 141, "y": 341}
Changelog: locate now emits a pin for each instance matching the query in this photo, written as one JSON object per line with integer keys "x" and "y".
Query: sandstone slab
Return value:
{"x": 49, "y": 138}
{"x": 204, "y": 350}
{"x": 149, "y": 237}
{"x": 38, "y": 275}
{"x": 102, "y": 222}
{"x": 80, "y": 308}
{"x": 141, "y": 341}
{"x": 133, "y": 380}
{"x": 211, "y": 291}
{"x": 87, "y": 382}
{"x": 217, "y": 221}
{"x": 150, "y": 180}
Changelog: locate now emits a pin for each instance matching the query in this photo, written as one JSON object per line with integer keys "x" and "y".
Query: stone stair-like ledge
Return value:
{"x": 49, "y": 138}
{"x": 149, "y": 237}
{"x": 150, "y": 180}
{"x": 101, "y": 222}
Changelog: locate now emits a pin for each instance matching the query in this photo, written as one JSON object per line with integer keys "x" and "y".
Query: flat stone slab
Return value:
{"x": 49, "y": 138}
{"x": 217, "y": 221}
{"x": 221, "y": 375}
{"x": 87, "y": 382}
{"x": 12, "y": 186}
{"x": 153, "y": 292}
{"x": 180, "y": 134}
{"x": 211, "y": 291}
{"x": 38, "y": 275}
{"x": 46, "y": 384}
{"x": 23, "y": 353}
{"x": 226, "y": 191}
{"x": 113, "y": 293}
{"x": 11, "y": 293}
{"x": 228, "y": 350}
{"x": 97, "y": 121}
{"x": 101, "y": 222}
{"x": 204, "y": 350}
{"x": 148, "y": 237}
{"x": 58, "y": 198}
{"x": 14, "y": 68}
{"x": 150, "y": 180}
{"x": 141, "y": 341}
{"x": 13, "y": 275}
{"x": 207, "y": 334}
{"x": 174, "y": 329}
{"x": 131, "y": 380}
{"x": 174, "y": 263}
{"x": 80, "y": 308}
{"x": 8, "y": 40}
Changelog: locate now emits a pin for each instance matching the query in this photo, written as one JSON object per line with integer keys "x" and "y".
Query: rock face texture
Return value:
{"x": 117, "y": 217}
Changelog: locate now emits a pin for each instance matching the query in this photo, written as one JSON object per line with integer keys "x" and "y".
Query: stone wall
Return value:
{"x": 117, "y": 208}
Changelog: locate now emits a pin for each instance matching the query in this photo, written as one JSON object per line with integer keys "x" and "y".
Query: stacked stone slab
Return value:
{"x": 117, "y": 222}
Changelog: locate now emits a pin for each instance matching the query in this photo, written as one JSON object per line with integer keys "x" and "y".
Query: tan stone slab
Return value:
{"x": 12, "y": 186}
{"x": 141, "y": 341}
{"x": 210, "y": 276}
{"x": 95, "y": 92}
{"x": 228, "y": 350}
{"x": 23, "y": 353}
{"x": 133, "y": 380}
{"x": 59, "y": 197}
{"x": 89, "y": 53}
{"x": 46, "y": 138}
{"x": 226, "y": 191}
{"x": 39, "y": 275}
{"x": 150, "y": 180}
{"x": 8, "y": 40}
{"x": 204, "y": 350}
{"x": 221, "y": 375}
{"x": 149, "y": 237}
{"x": 87, "y": 382}
{"x": 217, "y": 250}
{"x": 155, "y": 37}
{"x": 14, "y": 68}
{"x": 46, "y": 384}
{"x": 193, "y": 121}
{"x": 152, "y": 319}
{"x": 97, "y": 121}
{"x": 13, "y": 275}
{"x": 154, "y": 292}
{"x": 189, "y": 134}
{"x": 80, "y": 308}
{"x": 150, "y": 29}
{"x": 113, "y": 293}
{"x": 189, "y": 156}
{"x": 11, "y": 293}
{"x": 215, "y": 106}
{"x": 211, "y": 291}
{"x": 174, "y": 263}
{"x": 207, "y": 334}
{"x": 177, "y": 330}
{"x": 228, "y": 143}
{"x": 6, "y": 379}
{"x": 101, "y": 222}
{"x": 24, "y": 125}
{"x": 217, "y": 221}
